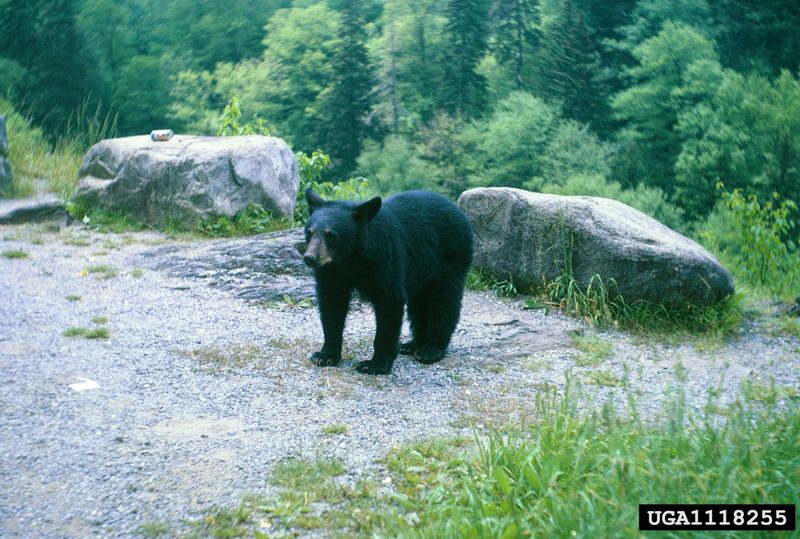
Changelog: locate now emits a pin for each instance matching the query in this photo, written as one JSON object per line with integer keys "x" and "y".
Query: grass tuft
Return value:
{"x": 599, "y": 305}
{"x": 14, "y": 254}
{"x": 102, "y": 271}
{"x": 72, "y": 297}
{"x": 594, "y": 349}
{"x": 86, "y": 333}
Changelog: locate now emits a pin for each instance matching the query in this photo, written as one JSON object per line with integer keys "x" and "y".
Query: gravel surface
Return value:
{"x": 202, "y": 390}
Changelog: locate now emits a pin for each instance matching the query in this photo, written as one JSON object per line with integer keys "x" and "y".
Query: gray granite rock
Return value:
{"x": 44, "y": 207}
{"x": 189, "y": 179}
{"x": 534, "y": 237}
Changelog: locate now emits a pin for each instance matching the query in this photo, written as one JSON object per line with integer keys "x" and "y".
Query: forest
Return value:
{"x": 680, "y": 108}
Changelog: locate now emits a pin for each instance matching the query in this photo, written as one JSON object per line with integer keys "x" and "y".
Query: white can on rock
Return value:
{"x": 160, "y": 135}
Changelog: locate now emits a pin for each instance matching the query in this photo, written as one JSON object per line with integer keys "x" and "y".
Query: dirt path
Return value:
{"x": 201, "y": 390}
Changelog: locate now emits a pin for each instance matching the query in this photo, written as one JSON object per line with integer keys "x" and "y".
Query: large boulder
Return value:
{"x": 534, "y": 237}
{"x": 5, "y": 165}
{"x": 189, "y": 179}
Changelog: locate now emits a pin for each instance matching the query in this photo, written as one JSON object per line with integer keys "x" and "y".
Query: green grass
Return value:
{"x": 14, "y": 254}
{"x": 86, "y": 333}
{"x": 605, "y": 379}
{"x": 137, "y": 273}
{"x": 72, "y": 297}
{"x": 236, "y": 356}
{"x": 100, "y": 320}
{"x": 102, "y": 271}
{"x": 597, "y": 304}
{"x": 594, "y": 350}
{"x": 481, "y": 281}
{"x": 569, "y": 473}
{"x": 583, "y": 475}
{"x": 335, "y": 430}
{"x": 39, "y": 164}
{"x": 252, "y": 220}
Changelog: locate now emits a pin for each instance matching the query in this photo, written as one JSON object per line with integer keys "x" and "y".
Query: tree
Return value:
{"x": 142, "y": 96}
{"x": 347, "y": 101}
{"x": 299, "y": 45}
{"x": 463, "y": 89}
{"x": 516, "y": 37}
{"x": 56, "y": 76}
{"x": 651, "y": 105}
{"x": 746, "y": 135}
{"x": 758, "y": 35}
{"x": 567, "y": 66}
{"x": 509, "y": 144}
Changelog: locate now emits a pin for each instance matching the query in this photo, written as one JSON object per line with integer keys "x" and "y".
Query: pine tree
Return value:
{"x": 567, "y": 66}
{"x": 463, "y": 89}
{"x": 517, "y": 36}
{"x": 347, "y": 101}
{"x": 57, "y": 82}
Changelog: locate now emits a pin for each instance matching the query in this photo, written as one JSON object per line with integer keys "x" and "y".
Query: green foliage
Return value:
{"x": 394, "y": 165}
{"x": 746, "y": 134}
{"x": 587, "y": 472}
{"x": 254, "y": 219}
{"x": 599, "y": 303}
{"x": 754, "y": 237}
{"x": 312, "y": 170}
{"x": 509, "y": 145}
{"x": 142, "y": 95}
{"x": 574, "y": 150}
{"x": 650, "y": 107}
{"x": 36, "y": 163}
{"x": 482, "y": 281}
{"x": 14, "y": 254}
{"x": 649, "y": 200}
{"x": 86, "y": 333}
{"x": 516, "y": 38}
{"x": 231, "y": 125}
{"x": 463, "y": 89}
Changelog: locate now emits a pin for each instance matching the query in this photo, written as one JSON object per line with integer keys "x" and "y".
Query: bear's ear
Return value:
{"x": 314, "y": 200}
{"x": 366, "y": 212}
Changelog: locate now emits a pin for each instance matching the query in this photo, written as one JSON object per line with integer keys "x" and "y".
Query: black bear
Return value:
{"x": 413, "y": 248}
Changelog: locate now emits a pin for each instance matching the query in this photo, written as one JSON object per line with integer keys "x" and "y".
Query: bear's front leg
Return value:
{"x": 334, "y": 302}
{"x": 388, "y": 321}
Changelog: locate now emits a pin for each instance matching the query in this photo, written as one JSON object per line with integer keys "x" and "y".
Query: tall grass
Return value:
{"x": 583, "y": 475}
{"x": 41, "y": 165}
{"x": 598, "y": 303}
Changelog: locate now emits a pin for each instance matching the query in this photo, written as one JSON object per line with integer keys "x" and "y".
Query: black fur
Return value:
{"x": 414, "y": 249}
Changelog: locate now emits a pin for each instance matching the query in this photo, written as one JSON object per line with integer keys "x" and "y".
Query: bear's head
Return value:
{"x": 335, "y": 229}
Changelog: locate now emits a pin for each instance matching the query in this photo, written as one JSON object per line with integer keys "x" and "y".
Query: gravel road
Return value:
{"x": 202, "y": 389}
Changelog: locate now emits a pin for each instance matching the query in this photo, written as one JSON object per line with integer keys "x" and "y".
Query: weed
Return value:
{"x": 100, "y": 320}
{"x": 14, "y": 254}
{"x": 252, "y": 220}
{"x": 72, "y": 297}
{"x": 154, "y": 530}
{"x": 599, "y": 304}
{"x": 237, "y": 356}
{"x": 335, "y": 430}
{"x": 137, "y": 273}
{"x": 102, "y": 271}
{"x": 594, "y": 349}
{"x": 605, "y": 379}
{"x": 481, "y": 281}
{"x": 86, "y": 333}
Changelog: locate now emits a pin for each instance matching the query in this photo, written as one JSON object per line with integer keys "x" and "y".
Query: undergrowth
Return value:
{"x": 570, "y": 473}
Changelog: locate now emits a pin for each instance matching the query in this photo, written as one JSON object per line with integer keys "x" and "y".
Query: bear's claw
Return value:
{"x": 429, "y": 354}
{"x": 324, "y": 359}
{"x": 370, "y": 367}
{"x": 409, "y": 348}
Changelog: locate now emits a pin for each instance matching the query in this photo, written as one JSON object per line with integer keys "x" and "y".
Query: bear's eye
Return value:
{"x": 330, "y": 234}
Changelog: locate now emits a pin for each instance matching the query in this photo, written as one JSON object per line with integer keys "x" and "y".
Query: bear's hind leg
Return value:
{"x": 418, "y": 317}
{"x": 444, "y": 310}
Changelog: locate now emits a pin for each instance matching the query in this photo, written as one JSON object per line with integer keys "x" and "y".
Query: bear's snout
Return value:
{"x": 310, "y": 261}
